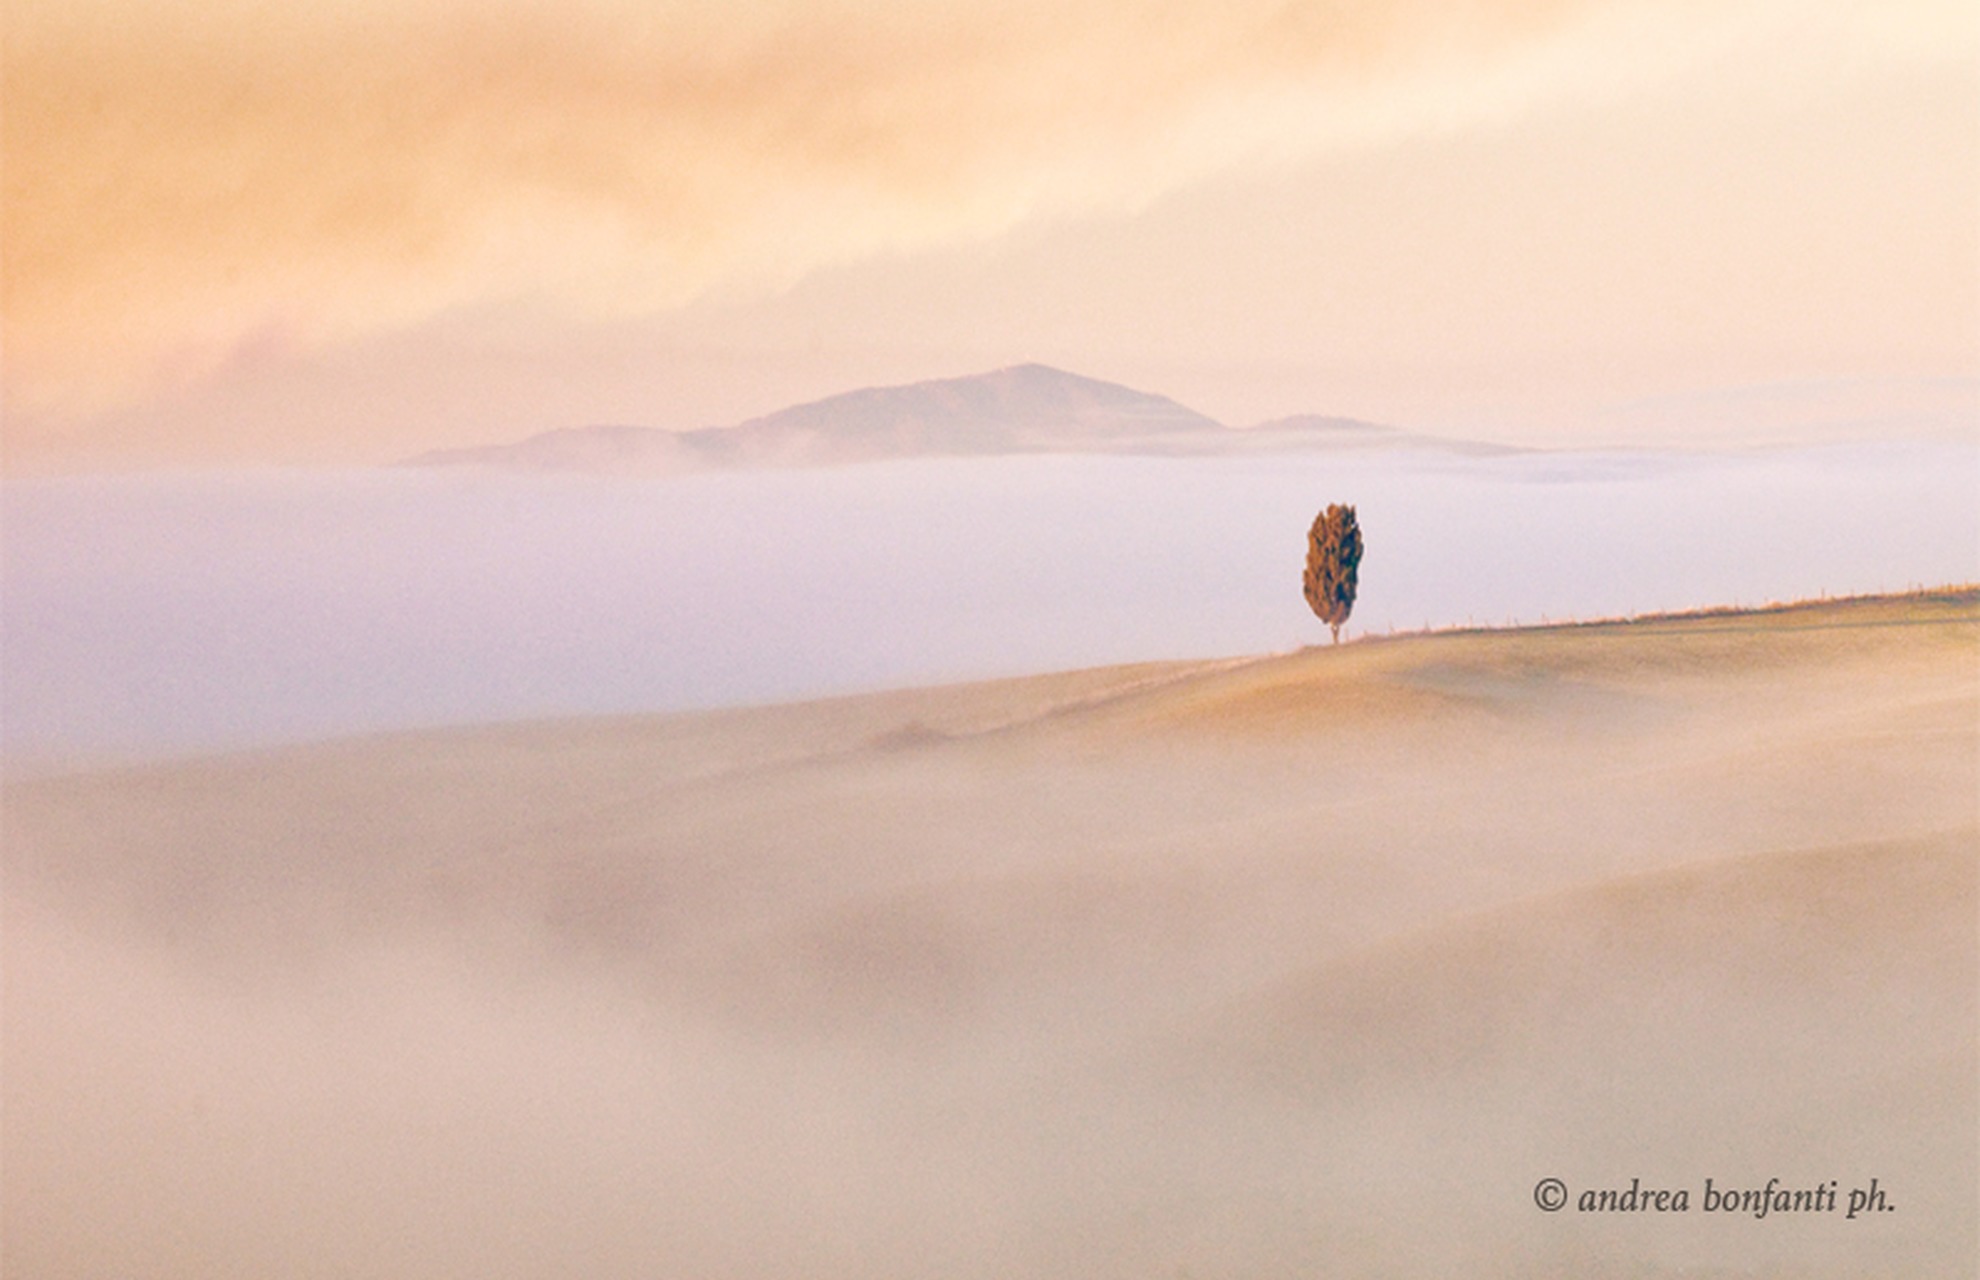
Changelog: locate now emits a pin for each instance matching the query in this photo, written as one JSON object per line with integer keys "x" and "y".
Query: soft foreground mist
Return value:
{"x": 1308, "y": 965}
{"x": 154, "y": 614}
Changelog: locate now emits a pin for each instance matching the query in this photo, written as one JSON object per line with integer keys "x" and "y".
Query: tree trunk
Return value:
{"x": 1337, "y": 631}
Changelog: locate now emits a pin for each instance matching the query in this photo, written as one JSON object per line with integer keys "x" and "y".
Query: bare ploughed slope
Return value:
{"x": 1311, "y": 964}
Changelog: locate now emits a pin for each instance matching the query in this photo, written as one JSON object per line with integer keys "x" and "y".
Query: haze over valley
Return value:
{"x": 166, "y": 613}
{"x": 1274, "y": 967}
{"x": 672, "y": 638}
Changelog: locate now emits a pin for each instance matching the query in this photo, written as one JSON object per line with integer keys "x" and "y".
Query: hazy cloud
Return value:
{"x": 187, "y": 179}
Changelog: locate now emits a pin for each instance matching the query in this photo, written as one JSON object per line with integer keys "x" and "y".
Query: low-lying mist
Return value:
{"x": 1314, "y": 965}
{"x": 167, "y": 613}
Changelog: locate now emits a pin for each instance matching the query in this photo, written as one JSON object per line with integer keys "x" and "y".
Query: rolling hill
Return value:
{"x": 1306, "y": 964}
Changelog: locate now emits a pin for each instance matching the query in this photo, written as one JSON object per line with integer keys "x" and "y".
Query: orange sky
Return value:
{"x": 238, "y": 230}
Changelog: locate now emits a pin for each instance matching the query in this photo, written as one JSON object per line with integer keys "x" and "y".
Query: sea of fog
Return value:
{"x": 171, "y": 613}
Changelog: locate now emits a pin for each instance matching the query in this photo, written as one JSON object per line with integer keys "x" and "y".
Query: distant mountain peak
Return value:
{"x": 967, "y": 411}
{"x": 1018, "y": 409}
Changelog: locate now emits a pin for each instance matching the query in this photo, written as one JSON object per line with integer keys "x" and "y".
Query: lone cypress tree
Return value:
{"x": 1333, "y": 554}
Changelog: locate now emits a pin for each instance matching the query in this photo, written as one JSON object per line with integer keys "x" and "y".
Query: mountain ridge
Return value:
{"x": 1019, "y": 409}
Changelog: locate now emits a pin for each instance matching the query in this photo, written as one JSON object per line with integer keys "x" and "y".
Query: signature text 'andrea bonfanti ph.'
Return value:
{"x": 1552, "y": 1195}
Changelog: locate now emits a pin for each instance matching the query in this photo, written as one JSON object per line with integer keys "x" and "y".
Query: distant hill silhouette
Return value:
{"x": 1027, "y": 408}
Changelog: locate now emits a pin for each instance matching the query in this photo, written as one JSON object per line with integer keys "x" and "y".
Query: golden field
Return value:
{"x": 1304, "y": 965}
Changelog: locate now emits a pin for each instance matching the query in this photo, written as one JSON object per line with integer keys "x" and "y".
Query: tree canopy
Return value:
{"x": 1333, "y": 557}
